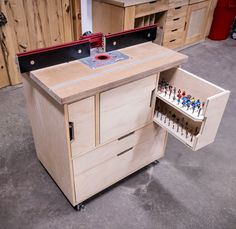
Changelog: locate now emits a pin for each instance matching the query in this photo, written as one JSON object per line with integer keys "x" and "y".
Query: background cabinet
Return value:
{"x": 196, "y": 22}
{"x": 180, "y": 22}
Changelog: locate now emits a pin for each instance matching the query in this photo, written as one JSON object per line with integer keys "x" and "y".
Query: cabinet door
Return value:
{"x": 126, "y": 108}
{"x": 82, "y": 121}
{"x": 195, "y": 127}
{"x": 196, "y": 21}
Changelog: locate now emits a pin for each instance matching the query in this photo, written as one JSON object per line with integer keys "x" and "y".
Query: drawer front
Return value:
{"x": 175, "y": 23}
{"x": 180, "y": 11}
{"x": 195, "y": 1}
{"x": 196, "y": 128}
{"x": 150, "y": 8}
{"x": 126, "y": 108}
{"x": 82, "y": 118}
{"x": 173, "y": 35}
{"x": 174, "y": 43}
{"x": 177, "y": 3}
{"x": 110, "y": 150}
{"x": 121, "y": 165}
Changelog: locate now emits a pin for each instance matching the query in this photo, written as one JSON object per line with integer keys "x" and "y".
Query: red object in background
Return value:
{"x": 223, "y": 19}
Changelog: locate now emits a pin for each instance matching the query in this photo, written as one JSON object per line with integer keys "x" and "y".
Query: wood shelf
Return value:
{"x": 194, "y": 116}
{"x": 176, "y": 130}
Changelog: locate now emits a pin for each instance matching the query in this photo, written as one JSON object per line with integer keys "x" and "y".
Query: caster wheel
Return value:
{"x": 155, "y": 162}
{"x": 233, "y": 35}
{"x": 79, "y": 207}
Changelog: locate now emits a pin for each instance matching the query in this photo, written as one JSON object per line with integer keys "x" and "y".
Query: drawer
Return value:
{"x": 82, "y": 125}
{"x": 194, "y": 127}
{"x": 175, "y": 23}
{"x": 110, "y": 150}
{"x": 126, "y": 108}
{"x": 173, "y": 35}
{"x": 119, "y": 166}
{"x": 151, "y": 7}
{"x": 177, "y": 3}
{"x": 195, "y": 1}
{"x": 180, "y": 11}
{"x": 173, "y": 43}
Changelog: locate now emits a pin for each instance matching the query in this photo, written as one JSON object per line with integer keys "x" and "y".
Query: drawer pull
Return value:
{"x": 173, "y": 40}
{"x": 173, "y": 30}
{"x": 125, "y": 136}
{"x": 71, "y": 131}
{"x": 177, "y": 8}
{"x": 125, "y": 151}
{"x": 176, "y": 19}
{"x": 152, "y": 2}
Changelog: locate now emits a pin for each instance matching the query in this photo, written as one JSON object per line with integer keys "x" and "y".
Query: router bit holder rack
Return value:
{"x": 181, "y": 95}
{"x": 177, "y": 123}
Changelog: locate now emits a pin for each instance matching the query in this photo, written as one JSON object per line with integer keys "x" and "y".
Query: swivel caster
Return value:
{"x": 79, "y": 207}
{"x": 155, "y": 162}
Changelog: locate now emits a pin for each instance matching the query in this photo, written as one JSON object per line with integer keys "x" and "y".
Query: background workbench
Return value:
{"x": 181, "y": 22}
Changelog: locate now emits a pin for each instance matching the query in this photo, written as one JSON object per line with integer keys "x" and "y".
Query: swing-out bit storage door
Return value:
{"x": 194, "y": 127}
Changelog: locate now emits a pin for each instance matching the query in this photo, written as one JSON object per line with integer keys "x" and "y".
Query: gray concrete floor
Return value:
{"x": 186, "y": 190}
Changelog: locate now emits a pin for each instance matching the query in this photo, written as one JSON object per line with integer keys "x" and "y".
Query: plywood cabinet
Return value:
{"x": 91, "y": 133}
{"x": 196, "y": 22}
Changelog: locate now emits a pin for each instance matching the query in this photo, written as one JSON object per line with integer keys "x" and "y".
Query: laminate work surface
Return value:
{"x": 72, "y": 81}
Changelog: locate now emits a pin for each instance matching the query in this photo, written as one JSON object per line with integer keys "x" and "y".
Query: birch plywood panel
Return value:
{"x": 82, "y": 114}
{"x": 125, "y": 108}
{"x": 34, "y": 24}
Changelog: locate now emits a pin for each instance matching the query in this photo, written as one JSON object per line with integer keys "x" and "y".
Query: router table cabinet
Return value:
{"x": 94, "y": 127}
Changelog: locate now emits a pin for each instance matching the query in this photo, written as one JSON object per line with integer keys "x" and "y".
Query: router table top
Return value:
{"x": 73, "y": 81}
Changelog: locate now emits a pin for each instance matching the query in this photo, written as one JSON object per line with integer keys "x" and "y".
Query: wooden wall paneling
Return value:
{"x": 32, "y": 25}
{"x": 9, "y": 42}
{"x": 76, "y": 16}
{"x": 54, "y": 12}
{"x": 67, "y": 14}
{"x": 4, "y": 81}
{"x": 15, "y": 13}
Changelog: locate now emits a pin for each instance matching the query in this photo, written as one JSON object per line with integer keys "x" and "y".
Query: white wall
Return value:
{"x": 86, "y": 11}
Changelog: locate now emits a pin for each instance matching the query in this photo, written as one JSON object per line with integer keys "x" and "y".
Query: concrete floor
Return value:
{"x": 186, "y": 190}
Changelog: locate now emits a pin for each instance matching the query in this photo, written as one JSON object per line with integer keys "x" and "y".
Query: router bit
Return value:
{"x": 186, "y": 129}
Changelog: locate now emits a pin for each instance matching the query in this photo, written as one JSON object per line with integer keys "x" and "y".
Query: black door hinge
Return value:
{"x": 3, "y": 19}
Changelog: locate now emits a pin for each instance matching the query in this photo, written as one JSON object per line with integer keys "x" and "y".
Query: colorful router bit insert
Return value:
{"x": 180, "y": 99}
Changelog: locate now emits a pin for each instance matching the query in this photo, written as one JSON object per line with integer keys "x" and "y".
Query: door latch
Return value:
{"x": 3, "y": 19}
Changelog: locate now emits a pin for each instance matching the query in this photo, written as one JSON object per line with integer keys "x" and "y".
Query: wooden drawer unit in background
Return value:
{"x": 174, "y": 27}
{"x": 117, "y": 16}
